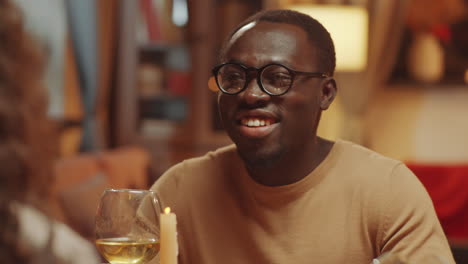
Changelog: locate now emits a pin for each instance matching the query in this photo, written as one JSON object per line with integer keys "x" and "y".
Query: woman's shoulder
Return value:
{"x": 39, "y": 233}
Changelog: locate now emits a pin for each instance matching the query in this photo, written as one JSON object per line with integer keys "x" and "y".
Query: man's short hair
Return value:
{"x": 316, "y": 33}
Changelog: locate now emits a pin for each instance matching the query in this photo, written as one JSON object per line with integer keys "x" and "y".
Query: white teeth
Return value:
{"x": 255, "y": 122}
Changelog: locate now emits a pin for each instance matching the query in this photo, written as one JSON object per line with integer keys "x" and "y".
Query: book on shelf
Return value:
{"x": 149, "y": 22}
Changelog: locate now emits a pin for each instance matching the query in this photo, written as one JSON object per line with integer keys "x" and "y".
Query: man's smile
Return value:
{"x": 256, "y": 123}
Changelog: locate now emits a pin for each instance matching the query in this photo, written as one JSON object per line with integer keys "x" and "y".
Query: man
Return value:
{"x": 281, "y": 194}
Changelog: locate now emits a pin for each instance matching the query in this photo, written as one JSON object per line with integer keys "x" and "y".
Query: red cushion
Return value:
{"x": 448, "y": 187}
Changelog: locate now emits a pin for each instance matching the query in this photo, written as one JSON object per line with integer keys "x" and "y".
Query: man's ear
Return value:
{"x": 329, "y": 91}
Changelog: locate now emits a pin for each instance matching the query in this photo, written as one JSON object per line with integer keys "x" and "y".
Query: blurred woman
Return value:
{"x": 26, "y": 153}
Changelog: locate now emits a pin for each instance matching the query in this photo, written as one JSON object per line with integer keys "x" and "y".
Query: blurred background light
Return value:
{"x": 179, "y": 12}
{"x": 348, "y": 26}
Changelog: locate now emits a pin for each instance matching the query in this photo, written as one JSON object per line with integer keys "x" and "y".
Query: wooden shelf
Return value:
{"x": 171, "y": 141}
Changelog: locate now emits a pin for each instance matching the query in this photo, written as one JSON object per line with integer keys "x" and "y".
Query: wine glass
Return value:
{"x": 127, "y": 226}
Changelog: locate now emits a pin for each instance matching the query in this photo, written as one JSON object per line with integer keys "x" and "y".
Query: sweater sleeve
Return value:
{"x": 167, "y": 185}
{"x": 411, "y": 228}
{"x": 167, "y": 189}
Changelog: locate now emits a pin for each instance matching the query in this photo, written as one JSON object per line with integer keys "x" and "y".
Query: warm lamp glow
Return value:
{"x": 348, "y": 26}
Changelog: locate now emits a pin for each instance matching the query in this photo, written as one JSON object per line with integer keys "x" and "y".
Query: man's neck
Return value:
{"x": 294, "y": 166}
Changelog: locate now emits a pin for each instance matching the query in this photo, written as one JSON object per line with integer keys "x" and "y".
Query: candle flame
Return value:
{"x": 167, "y": 210}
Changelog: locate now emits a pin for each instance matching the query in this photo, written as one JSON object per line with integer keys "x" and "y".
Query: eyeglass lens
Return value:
{"x": 275, "y": 79}
{"x": 231, "y": 78}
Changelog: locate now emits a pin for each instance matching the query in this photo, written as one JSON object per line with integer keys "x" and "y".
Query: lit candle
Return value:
{"x": 169, "y": 247}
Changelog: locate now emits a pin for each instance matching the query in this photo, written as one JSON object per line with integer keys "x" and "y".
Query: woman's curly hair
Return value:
{"x": 26, "y": 149}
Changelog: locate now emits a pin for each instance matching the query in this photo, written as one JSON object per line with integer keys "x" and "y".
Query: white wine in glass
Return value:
{"x": 127, "y": 226}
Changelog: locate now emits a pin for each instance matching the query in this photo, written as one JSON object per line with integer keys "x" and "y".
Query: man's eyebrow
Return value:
{"x": 234, "y": 61}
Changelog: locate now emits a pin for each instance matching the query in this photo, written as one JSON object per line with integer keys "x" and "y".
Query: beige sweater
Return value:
{"x": 355, "y": 206}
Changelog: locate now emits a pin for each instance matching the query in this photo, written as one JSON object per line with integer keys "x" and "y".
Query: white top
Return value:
{"x": 35, "y": 230}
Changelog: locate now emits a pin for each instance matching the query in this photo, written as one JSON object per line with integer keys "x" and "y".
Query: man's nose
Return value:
{"x": 253, "y": 94}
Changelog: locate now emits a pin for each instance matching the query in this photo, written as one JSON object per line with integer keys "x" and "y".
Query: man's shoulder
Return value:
{"x": 378, "y": 177}
{"x": 196, "y": 167}
{"x": 361, "y": 155}
{"x": 213, "y": 157}
{"x": 365, "y": 165}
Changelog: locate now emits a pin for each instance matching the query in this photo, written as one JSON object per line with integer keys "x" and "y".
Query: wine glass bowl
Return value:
{"x": 127, "y": 226}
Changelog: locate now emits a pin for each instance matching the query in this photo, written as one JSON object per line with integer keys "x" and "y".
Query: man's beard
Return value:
{"x": 259, "y": 160}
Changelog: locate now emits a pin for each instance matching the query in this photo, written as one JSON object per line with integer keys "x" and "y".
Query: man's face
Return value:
{"x": 265, "y": 127}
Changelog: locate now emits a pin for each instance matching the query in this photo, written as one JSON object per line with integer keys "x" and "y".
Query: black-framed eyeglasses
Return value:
{"x": 274, "y": 78}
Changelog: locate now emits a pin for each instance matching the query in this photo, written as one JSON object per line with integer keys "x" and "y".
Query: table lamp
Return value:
{"x": 348, "y": 26}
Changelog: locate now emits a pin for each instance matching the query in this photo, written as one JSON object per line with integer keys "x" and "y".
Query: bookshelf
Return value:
{"x": 161, "y": 100}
